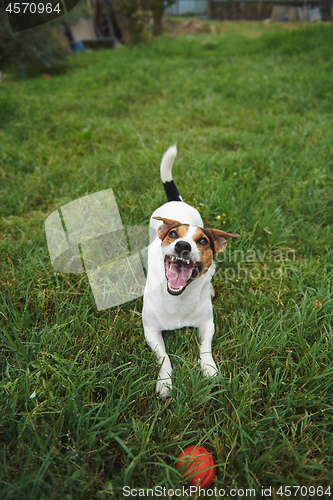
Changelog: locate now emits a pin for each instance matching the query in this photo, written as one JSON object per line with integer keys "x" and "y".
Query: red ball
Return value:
{"x": 197, "y": 465}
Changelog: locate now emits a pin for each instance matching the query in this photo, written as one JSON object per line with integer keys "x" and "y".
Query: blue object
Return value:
{"x": 78, "y": 47}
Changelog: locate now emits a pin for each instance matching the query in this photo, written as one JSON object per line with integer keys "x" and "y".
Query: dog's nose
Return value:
{"x": 183, "y": 248}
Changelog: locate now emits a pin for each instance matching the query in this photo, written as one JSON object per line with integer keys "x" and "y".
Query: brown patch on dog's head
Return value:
{"x": 168, "y": 224}
{"x": 209, "y": 242}
{"x": 205, "y": 249}
{"x": 218, "y": 239}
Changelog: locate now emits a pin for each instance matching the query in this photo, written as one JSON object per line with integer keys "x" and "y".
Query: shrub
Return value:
{"x": 39, "y": 48}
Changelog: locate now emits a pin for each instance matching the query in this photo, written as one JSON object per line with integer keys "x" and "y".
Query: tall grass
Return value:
{"x": 250, "y": 108}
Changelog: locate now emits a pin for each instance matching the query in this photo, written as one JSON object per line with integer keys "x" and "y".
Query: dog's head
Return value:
{"x": 188, "y": 251}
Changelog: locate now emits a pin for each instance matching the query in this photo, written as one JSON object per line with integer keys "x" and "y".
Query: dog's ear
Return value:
{"x": 219, "y": 239}
{"x": 167, "y": 224}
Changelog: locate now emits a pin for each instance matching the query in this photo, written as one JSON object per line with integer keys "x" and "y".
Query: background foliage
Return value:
{"x": 32, "y": 50}
{"x": 141, "y": 19}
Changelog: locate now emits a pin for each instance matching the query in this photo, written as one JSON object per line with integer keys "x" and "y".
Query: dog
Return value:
{"x": 178, "y": 289}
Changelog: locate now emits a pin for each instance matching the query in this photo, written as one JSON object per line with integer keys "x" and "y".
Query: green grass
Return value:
{"x": 250, "y": 108}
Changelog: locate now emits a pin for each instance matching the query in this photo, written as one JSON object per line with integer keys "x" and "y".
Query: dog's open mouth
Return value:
{"x": 179, "y": 273}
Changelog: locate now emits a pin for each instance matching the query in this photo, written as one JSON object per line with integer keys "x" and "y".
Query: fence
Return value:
{"x": 277, "y": 10}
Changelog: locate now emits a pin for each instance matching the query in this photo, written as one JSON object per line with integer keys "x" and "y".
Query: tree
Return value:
{"x": 157, "y": 8}
{"x": 138, "y": 17}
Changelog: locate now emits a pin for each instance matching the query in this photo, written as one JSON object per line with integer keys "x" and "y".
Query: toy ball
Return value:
{"x": 197, "y": 465}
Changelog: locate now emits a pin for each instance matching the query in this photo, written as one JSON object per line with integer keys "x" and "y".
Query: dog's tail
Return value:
{"x": 166, "y": 175}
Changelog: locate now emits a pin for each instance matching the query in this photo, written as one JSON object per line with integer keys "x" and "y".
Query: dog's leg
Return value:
{"x": 156, "y": 343}
{"x": 207, "y": 363}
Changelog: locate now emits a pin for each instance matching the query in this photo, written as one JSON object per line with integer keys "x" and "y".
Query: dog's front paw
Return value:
{"x": 208, "y": 367}
{"x": 163, "y": 388}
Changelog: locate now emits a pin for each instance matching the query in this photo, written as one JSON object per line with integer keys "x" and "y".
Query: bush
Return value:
{"x": 40, "y": 48}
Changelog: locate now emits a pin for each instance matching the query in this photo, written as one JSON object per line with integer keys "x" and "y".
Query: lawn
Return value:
{"x": 250, "y": 107}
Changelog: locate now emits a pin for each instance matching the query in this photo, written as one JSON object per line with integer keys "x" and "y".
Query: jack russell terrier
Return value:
{"x": 178, "y": 290}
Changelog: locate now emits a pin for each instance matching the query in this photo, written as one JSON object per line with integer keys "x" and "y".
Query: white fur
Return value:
{"x": 167, "y": 162}
{"x": 163, "y": 311}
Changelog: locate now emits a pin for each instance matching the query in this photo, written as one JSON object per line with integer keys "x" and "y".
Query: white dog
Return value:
{"x": 180, "y": 267}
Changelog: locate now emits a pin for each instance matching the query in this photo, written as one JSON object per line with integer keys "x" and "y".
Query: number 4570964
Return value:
{"x": 32, "y": 8}
{"x": 304, "y": 491}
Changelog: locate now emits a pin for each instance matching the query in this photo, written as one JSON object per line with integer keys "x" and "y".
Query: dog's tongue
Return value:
{"x": 179, "y": 274}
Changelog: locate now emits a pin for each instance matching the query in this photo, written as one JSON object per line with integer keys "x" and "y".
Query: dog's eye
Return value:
{"x": 203, "y": 242}
{"x": 173, "y": 234}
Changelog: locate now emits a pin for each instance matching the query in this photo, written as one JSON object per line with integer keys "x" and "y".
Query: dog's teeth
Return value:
{"x": 188, "y": 261}
{"x": 193, "y": 271}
